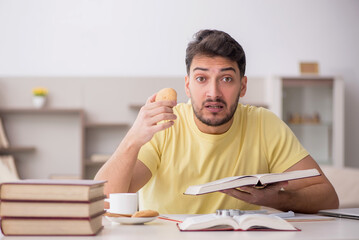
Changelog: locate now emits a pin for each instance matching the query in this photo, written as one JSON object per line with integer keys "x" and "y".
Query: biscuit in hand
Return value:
{"x": 166, "y": 94}
{"x": 145, "y": 213}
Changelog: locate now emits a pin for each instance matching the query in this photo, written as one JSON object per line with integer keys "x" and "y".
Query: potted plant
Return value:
{"x": 39, "y": 96}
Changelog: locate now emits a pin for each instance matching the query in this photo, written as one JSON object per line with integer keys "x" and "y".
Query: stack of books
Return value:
{"x": 51, "y": 207}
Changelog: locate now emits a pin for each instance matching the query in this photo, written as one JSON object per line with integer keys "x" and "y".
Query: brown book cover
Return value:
{"x": 52, "y": 190}
{"x": 53, "y": 226}
{"x": 32, "y": 208}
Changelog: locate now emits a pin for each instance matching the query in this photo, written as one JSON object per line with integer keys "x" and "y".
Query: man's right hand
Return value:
{"x": 147, "y": 121}
{"x": 123, "y": 171}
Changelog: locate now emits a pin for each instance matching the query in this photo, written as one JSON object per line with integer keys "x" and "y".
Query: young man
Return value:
{"x": 212, "y": 137}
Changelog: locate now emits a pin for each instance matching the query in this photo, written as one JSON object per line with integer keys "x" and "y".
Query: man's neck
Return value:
{"x": 212, "y": 129}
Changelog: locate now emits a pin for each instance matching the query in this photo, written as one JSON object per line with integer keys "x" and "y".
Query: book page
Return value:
{"x": 250, "y": 221}
{"x": 208, "y": 221}
{"x": 219, "y": 181}
{"x": 279, "y": 177}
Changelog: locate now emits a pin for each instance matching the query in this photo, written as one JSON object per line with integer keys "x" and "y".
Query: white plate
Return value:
{"x": 130, "y": 220}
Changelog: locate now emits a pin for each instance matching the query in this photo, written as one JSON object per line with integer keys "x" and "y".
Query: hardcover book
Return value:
{"x": 16, "y": 208}
{"x": 258, "y": 180}
{"x": 22, "y": 226}
{"x": 52, "y": 190}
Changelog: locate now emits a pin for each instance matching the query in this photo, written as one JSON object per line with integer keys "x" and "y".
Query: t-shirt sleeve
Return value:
{"x": 150, "y": 153}
{"x": 281, "y": 147}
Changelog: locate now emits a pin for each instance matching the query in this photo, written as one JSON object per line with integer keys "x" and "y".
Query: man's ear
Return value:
{"x": 188, "y": 93}
{"x": 243, "y": 86}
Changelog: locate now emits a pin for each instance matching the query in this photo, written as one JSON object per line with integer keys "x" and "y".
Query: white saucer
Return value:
{"x": 131, "y": 220}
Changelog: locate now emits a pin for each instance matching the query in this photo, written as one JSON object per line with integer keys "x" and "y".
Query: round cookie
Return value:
{"x": 145, "y": 213}
{"x": 108, "y": 214}
{"x": 166, "y": 94}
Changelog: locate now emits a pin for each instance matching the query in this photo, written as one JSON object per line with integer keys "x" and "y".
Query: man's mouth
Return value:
{"x": 214, "y": 106}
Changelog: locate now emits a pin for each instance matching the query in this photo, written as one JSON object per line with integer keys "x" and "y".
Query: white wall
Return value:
{"x": 148, "y": 38}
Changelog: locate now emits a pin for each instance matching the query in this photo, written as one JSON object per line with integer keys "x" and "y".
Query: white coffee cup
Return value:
{"x": 122, "y": 203}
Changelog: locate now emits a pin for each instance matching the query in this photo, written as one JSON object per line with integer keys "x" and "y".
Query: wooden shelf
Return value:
{"x": 136, "y": 106}
{"x": 307, "y": 81}
{"x": 304, "y": 124}
{"x": 91, "y": 163}
{"x": 41, "y": 110}
{"x": 255, "y": 104}
{"x": 106, "y": 125}
{"x": 308, "y": 95}
{"x": 11, "y": 150}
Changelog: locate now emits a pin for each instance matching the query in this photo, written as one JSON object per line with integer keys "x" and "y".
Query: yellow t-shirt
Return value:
{"x": 182, "y": 155}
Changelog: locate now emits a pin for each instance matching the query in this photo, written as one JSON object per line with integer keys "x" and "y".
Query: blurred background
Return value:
{"x": 76, "y": 49}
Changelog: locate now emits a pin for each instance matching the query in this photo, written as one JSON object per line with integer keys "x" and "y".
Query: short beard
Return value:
{"x": 218, "y": 122}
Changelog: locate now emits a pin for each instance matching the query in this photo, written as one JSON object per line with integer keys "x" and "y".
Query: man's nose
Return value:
{"x": 213, "y": 90}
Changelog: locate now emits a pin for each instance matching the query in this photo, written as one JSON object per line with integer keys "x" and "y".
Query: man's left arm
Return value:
{"x": 307, "y": 195}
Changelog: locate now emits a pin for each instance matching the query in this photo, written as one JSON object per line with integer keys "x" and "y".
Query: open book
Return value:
{"x": 259, "y": 180}
{"x": 245, "y": 222}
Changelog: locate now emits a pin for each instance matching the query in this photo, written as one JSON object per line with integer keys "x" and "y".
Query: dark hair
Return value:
{"x": 216, "y": 43}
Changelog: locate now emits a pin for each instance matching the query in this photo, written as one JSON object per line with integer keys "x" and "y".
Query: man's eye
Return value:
{"x": 227, "y": 79}
{"x": 200, "y": 79}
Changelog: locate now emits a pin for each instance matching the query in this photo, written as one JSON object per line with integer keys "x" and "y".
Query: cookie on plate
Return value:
{"x": 145, "y": 213}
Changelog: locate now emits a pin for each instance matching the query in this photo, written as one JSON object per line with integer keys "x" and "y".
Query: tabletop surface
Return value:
{"x": 338, "y": 228}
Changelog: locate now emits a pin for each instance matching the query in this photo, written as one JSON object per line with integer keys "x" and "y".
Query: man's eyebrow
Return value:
{"x": 228, "y": 69}
{"x": 200, "y": 69}
{"x": 222, "y": 70}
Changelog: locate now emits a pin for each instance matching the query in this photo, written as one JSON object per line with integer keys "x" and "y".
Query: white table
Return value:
{"x": 163, "y": 229}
